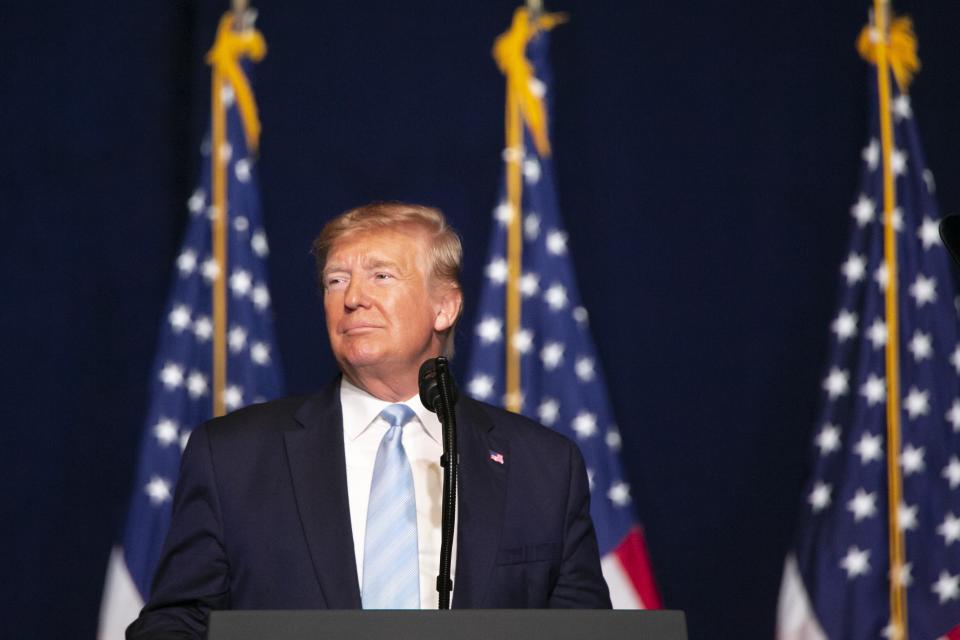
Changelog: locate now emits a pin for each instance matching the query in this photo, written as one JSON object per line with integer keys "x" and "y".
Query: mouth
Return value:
{"x": 359, "y": 329}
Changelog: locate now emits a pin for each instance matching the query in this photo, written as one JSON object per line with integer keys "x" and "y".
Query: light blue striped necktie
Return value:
{"x": 391, "y": 565}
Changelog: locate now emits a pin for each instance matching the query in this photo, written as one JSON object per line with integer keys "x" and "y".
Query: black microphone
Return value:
{"x": 438, "y": 393}
{"x": 431, "y": 373}
{"x": 950, "y": 234}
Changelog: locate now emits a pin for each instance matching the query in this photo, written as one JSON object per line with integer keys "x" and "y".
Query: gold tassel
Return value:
{"x": 228, "y": 48}
{"x": 901, "y": 49}
{"x": 510, "y": 53}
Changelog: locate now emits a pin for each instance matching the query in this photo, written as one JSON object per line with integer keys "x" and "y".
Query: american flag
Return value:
{"x": 836, "y": 580}
{"x": 562, "y": 384}
{"x": 181, "y": 380}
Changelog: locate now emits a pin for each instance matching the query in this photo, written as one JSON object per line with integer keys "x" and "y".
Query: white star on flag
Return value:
{"x": 856, "y": 562}
{"x": 912, "y": 460}
{"x": 258, "y": 242}
{"x": 531, "y": 226}
{"x": 197, "y": 201}
{"x": 203, "y": 328}
{"x": 490, "y": 329}
{"x": 881, "y": 277}
{"x": 557, "y": 242}
{"x": 210, "y": 270}
{"x": 551, "y": 355}
{"x": 949, "y": 529}
{"x": 854, "y": 269}
{"x": 953, "y": 415}
{"x": 240, "y": 283}
{"x": 819, "y": 498}
{"x": 874, "y": 390}
{"x": 929, "y": 233}
{"x": 171, "y": 376}
{"x": 158, "y": 489}
{"x": 613, "y": 439}
{"x": 584, "y": 424}
{"x": 260, "y": 353}
{"x": 581, "y": 316}
{"x": 242, "y": 169}
{"x": 480, "y": 387}
{"x": 951, "y": 472}
{"x": 619, "y": 493}
{"x": 503, "y": 213}
{"x": 947, "y": 587}
{"x": 845, "y": 325}
{"x": 523, "y": 340}
{"x": 237, "y": 338}
{"x": 864, "y": 210}
{"x": 898, "y": 162}
{"x": 166, "y": 432}
{"x": 828, "y": 440}
{"x": 863, "y": 505}
{"x": 529, "y": 285}
{"x": 901, "y": 106}
{"x": 917, "y": 403}
{"x": 548, "y": 411}
{"x": 556, "y": 296}
{"x": 837, "y": 383}
{"x": 877, "y": 333}
{"x": 260, "y": 296}
{"x": 497, "y": 271}
{"x": 869, "y": 448}
{"x": 196, "y": 384}
{"x": 584, "y": 369}
{"x": 923, "y": 290}
{"x": 531, "y": 170}
{"x": 871, "y": 154}
{"x": 955, "y": 359}
{"x": 233, "y": 397}
{"x": 907, "y": 517}
{"x": 179, "y": 318}
{"x": 920, "y": 345}
{"x": 186, "y": 262}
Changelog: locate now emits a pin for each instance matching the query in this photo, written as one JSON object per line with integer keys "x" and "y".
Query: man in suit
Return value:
{"x": 333, "y": 500}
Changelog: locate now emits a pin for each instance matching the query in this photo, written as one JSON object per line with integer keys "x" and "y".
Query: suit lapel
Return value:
{"x": 482, "y": 489}
{"x": 319, "y": 476}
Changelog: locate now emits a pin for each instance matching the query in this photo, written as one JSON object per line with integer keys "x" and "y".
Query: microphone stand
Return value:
{"x": 449, "y": 461}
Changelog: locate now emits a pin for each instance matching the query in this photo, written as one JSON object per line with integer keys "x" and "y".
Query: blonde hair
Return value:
{"x": 445, "y": 250}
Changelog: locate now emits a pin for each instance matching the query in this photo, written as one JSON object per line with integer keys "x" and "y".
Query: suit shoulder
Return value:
{"x": 521, "y": 427}
{"x": 256, "y": 420}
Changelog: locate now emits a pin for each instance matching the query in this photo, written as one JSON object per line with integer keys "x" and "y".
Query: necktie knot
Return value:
{"x": 397, "y": 415}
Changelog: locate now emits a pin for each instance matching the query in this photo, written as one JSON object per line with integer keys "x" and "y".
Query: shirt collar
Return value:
{"x": 360, "y": 409}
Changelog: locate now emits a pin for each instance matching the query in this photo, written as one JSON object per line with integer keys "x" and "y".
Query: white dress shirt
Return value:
{"x": 422, "y": 440}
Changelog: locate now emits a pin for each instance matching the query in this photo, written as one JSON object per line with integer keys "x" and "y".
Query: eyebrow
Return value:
{"x": 367, "y": 264}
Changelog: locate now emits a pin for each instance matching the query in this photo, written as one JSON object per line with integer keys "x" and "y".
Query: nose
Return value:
{"x": 356, "y": 296}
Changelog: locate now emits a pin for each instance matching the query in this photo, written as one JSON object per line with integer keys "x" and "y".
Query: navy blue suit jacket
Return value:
{"x": 261, "y": 518}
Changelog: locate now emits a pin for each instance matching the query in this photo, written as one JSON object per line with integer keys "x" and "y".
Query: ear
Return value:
{"x": 447, "y": 308}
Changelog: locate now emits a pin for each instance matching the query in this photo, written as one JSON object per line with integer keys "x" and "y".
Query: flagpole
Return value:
{"x": 898, "y": 605}
{"x": 219, "y": 172}
{"x": 513, "y": 156}
{"x": 522, "y": 106}
{"x": 236, "y": 37}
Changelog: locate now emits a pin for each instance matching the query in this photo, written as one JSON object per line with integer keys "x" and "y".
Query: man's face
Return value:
{"x": 383, "y": 313}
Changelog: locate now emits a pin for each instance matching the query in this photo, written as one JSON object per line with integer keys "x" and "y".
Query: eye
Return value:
{"x": 334, "y": 282}
{"x": 383, "y": 275}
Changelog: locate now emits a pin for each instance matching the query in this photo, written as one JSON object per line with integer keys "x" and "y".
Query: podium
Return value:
{"x": 459, "y": 624}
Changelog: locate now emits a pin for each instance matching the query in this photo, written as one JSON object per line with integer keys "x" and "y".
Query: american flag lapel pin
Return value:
{"x": 496, "y": 456}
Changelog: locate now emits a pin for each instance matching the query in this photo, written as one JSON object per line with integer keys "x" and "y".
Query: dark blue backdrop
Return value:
{"x": 707, "y": 157}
